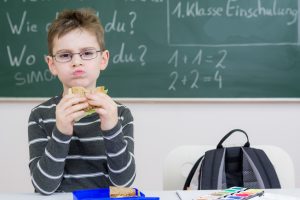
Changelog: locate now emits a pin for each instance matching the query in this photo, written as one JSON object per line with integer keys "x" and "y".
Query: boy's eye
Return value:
{"x": 64, "y": 55}
{"x": 88, "y": 53}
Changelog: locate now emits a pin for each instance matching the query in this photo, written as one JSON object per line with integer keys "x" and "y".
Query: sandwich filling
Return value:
{"x": 83, "y": 91}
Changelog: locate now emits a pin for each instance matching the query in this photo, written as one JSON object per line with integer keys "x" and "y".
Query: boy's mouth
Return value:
{"x": 78, "y": 72}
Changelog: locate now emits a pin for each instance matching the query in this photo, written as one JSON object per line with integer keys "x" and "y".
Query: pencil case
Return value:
{"x": 104, "y": 194}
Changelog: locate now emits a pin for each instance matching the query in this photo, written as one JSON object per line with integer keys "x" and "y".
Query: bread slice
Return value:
{"x": 100, "y": 89}
{"x": 78, "y": 90}
{"x": 83, "y": 91}
{"x": 121, "y": 192}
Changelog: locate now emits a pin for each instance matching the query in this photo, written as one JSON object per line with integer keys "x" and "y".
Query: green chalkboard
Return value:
{"x": 164, "y": 48}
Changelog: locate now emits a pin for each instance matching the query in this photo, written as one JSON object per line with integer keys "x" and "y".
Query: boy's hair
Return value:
{"x": 69, "y": 20}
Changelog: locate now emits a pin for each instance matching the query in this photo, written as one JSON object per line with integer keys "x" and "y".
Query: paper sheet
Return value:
{"x": 194, "y": 195}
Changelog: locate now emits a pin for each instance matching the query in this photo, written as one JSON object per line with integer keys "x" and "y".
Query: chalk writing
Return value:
{"x": 197, "y": 58}
{"x": 229, "y": 14}
{"x": 17, "y": 29}
{"x": 114, "y": 25}
{"x": 134, "y": 15}
{"x": 193, "y": 76}
{"x": 33, "y": 77}
{"x": 123, "y": 56}
{"x": 17, "y": 60}
{"x": 234, "y": 8}
{"x": 119, "y": 26}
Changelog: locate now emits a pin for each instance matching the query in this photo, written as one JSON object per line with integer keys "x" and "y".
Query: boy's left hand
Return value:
{"x": 106, "y": 108}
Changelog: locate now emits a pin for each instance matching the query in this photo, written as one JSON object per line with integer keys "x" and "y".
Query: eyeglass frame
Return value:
{"x": 80, "y": 55}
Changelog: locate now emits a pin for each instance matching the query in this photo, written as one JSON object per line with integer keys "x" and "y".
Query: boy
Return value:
{"x": 96, "y": 151}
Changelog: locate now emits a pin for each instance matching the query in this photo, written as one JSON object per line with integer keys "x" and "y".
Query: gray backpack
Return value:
{"x": 243, "y": 166}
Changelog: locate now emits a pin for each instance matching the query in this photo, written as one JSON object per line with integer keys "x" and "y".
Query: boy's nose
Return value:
{"x": 76, "y": 60}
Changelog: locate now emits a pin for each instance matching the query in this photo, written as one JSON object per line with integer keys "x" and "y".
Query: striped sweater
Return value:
{"x": 90, "y": 158}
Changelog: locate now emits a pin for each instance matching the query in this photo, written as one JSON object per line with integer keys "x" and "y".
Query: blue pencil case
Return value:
{"x": 104, "y": 194}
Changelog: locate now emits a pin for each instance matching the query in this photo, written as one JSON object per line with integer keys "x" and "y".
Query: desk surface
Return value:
{"x": 271, "y": 194}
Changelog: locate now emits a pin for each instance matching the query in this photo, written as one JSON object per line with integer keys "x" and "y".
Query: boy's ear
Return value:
{"x": 51, "y": 66}
{"x": 104, "y": 60}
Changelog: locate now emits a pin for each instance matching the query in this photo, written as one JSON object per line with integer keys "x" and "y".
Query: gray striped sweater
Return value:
{"x": 90, "y": 158}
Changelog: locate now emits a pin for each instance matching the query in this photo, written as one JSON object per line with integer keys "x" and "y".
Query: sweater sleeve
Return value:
{"x": 47, "y": 155}
{"x": 119, "y": 145}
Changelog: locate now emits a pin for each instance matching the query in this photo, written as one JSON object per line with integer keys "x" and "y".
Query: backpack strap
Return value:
{"x": 247, "y": 144}
{"x": 263, "y": 167}
{"x": 191, "y": 174}
{"x": 212, "y": 166}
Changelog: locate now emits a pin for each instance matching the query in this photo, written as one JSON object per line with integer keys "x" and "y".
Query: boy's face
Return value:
{"x": 80, "y": 70}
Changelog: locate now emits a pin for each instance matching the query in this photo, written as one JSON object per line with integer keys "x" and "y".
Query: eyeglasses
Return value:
{"x": 64, "y": 57}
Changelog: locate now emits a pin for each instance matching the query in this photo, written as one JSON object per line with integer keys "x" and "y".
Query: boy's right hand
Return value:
{"x": 68, "y": 110}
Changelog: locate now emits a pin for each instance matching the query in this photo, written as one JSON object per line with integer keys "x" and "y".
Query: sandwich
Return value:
{"x": 121, "y": 192}
{"x": 83, "y": 91}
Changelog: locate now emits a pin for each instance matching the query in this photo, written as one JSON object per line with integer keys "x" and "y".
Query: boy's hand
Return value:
{"x": 106, "y": 108}
{"x": 68, "y": 110}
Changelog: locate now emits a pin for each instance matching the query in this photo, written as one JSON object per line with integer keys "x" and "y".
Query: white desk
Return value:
{"x": 164, "y": 195}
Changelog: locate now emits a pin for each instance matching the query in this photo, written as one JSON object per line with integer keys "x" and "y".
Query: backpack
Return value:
{"x": 225, "y": 167}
